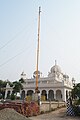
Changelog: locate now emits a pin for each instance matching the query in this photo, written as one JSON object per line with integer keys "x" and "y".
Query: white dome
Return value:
{"x": 55, "y": 68}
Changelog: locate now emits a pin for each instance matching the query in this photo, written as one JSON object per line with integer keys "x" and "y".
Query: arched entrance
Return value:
{"x": 30, "y": 92}
{"x": 8, "y": 95}
{"x": 44, "y": 95}
{"x": 51, "y": 95}
{"x": 23, "y": 95}
{"x": 58, "y": 95}
{"x": 29, "y": 95}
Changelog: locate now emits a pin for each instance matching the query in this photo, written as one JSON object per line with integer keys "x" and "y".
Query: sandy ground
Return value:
{"x": 55, "y": 115}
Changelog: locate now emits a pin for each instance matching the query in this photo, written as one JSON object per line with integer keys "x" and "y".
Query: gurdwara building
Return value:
{"x": 56, "y": 86}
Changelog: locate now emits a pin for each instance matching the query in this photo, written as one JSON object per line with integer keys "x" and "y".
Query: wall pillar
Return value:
{"x": 55, "y": 94}
{"x": 5, "y": 94}
{"x": 64, "y": 94}
{"x": 68, "y": 94}
{"x": 47, "y": 95}
{"x": 25, "y": 93}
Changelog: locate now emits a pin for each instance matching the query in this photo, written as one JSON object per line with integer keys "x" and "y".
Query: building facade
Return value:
{"x": 56, "y": 86}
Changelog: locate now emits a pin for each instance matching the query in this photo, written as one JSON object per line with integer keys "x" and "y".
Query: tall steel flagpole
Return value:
{"x": 36, "y": 90}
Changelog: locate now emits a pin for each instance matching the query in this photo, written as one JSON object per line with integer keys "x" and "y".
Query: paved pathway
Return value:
{"x": 55, "y": 115}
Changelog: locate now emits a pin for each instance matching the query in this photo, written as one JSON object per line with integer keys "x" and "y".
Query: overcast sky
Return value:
{"x": 59, "y": 37}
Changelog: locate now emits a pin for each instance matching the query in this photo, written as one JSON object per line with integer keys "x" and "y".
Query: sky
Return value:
{"x": 59, "y": 37}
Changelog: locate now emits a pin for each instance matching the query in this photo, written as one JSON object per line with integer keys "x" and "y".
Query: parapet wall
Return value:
{"x": 47, "y": 106}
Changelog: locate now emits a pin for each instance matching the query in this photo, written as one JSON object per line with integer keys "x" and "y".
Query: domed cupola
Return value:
{"x": 55, "y": 68}
{"x": 23, "y": 75}
{"x": 35, "y": 74}
{"x": 55, "y": 71}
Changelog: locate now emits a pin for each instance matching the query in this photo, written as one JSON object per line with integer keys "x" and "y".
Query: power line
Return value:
{"x": 13, "y": 57}
{"x": 26, "y": 48}
{"x": 12, "y": 38}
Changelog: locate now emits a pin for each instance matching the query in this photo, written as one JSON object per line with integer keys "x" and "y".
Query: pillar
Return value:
{"x": 47, "y": 95}
{"x": 55, "y": 94}
{"x": 5, "y": 94}
{"x": 64, "y": 94}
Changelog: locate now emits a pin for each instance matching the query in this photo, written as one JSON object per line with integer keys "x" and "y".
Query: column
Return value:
{"x": 64, "y": 94}
{"x": 10, "y": 92}
{"x": 25, "y": 92}
{"x": 47, "y": 95}
{"x": 55, "y": 94}
{"x": 5, "y": 94}
{"x": 40, "y": 93}
{"x": 20, "y": 93}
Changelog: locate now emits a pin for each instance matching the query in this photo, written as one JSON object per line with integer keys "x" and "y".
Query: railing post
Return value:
{"x": 49, "y": 104}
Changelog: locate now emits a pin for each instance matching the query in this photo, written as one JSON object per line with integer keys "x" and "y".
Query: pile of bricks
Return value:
{"x": 25, "y": 108}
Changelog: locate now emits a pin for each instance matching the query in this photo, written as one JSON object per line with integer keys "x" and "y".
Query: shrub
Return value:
{"x": 12, "y": 97}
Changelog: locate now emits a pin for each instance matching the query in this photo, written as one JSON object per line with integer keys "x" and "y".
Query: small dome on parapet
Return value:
{"x": 35, "y": 74}
{"x": 23, "y": 75}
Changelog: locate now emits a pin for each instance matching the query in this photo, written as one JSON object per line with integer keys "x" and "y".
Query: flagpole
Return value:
{"x": 36, "y": 90}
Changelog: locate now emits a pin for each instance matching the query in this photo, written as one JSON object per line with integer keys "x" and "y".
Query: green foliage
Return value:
{"x": 11, "y": 84}
{"x": 21, "y": 80}
{"x": 17, "y": 86}
{"x": 76, "y": 91}
{"x": 77, "y": 102}
{"x": 2, "y": 86}
{"x": 13, "y": 96}
{"x": 76, "y": 109}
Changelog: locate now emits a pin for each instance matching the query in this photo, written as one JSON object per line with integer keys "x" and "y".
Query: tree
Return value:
{"x": 76, "y": 91}
{"x": 21, "y": 80}
{"x": 2, "y": 88}
{"x": 13, "y": 96}
{"x": 17, "y": 86}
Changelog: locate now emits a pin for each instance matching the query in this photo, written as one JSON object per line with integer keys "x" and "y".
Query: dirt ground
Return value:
{"x": 55, "y": 115}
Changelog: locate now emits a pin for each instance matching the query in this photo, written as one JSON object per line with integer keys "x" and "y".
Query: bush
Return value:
{"x": 77, "y": 102}
{"x": 76, "y": 110}
{"x": 30, "y": 109}
{"x": 13, "y": 97}
{"x": 76, "y": 107}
